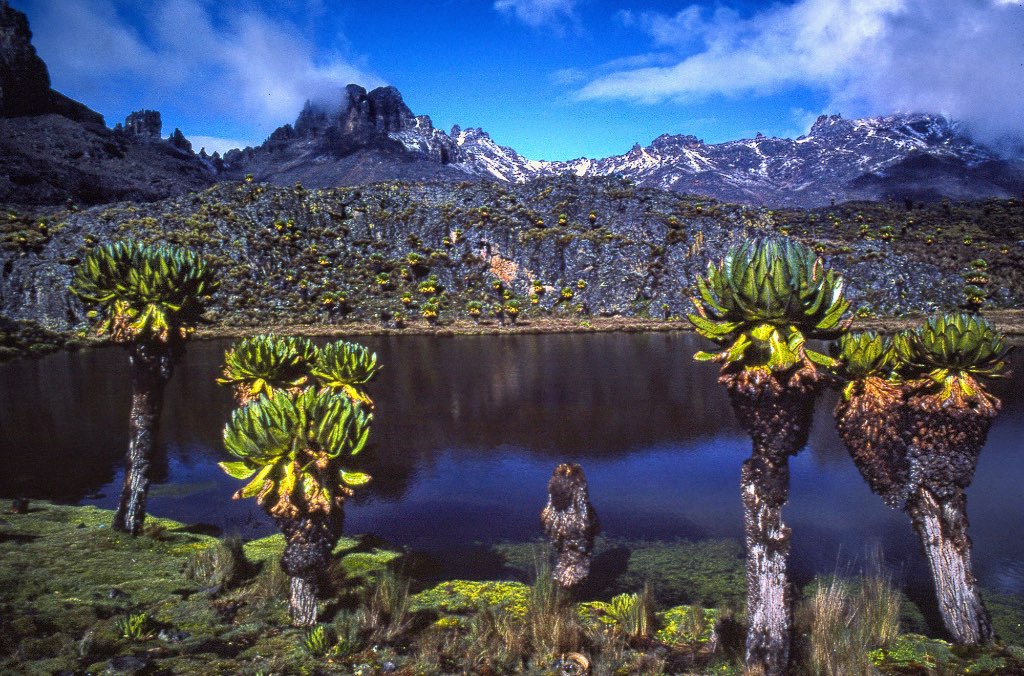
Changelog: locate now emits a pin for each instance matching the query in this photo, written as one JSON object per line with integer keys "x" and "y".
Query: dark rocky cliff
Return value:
{"x": 24, "y": 79}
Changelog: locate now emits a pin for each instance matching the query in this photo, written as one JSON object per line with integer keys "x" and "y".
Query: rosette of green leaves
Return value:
{"x": 764, "y": 299}
{"x": 291, "y": 450}
{"x": 265, "y": 363}
{"x": 347, "y": 367}
{"x": 864, "y": 354}
{"x": 950, "y": 347}
{"x": 143, "y": 291}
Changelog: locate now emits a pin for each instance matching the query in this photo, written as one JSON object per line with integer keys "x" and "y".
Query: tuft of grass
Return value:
{"x": 385, "y": 614}
{"x": 847, "y": 621}
{"x": 318, "y": 641}
{"x": 136, "y": 627}
{"x": 552, "y": 622}
{"x": 222, "y": 565}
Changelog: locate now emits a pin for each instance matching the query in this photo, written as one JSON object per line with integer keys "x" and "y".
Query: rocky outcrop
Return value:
{"x": 144, "y": 125}
{"x": 24, "y": 79}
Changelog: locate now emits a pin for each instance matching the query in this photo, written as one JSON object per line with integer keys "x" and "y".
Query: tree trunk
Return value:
{"x": 765, "y": 488}
{"x": 151, "y": 368}
{"x": 570, "y": 523}
{"x": 776, "y": 411}
{"x": 942, "y": 527}
{"x": 310, "y": 541}
{"x": 302, "y": 602}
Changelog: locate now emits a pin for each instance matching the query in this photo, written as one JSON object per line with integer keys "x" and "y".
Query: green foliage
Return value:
{"x": 950, "y": 347}
{"x": 262, "y": 364}
{"x": 319, "y": 641}
{"x": 347, "y": 367}
{"x": 143, "y": 291}
{"x": 864, "y": 354}
{"x": 912, "y": 651}
{"x": 764, "y": 299}
{"x": 136, "y": 627}
{"x": 295, "y": 446}
{"x": 628, "y": 613}
{"x": 690, "y": 626}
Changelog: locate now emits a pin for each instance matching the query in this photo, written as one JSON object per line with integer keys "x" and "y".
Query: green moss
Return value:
{"x": 1007, "y": 616}
{"x": 913, "y": 651}
{"x": 708, "y": 572}
{"x": 367, "y": 564}
{"x": 460, "y": 596}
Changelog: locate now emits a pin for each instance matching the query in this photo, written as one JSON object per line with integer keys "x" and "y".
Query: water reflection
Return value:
{"x": 468, "y": 430}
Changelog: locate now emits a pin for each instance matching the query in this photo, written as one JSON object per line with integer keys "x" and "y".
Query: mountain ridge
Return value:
{"x": 54, "y": 150}
{"x": 873, "y": 158}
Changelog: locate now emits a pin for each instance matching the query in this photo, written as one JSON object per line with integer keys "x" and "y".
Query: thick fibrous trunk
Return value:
{"x": 302, "y": 602}
{"x": 571, "y": 523}
{"x": 151, "y": 367}
{"x": 765, "y": 488}
{"x": 948, "y": 434}
{"x": 307, "y": 554}
{"x": 777, "y": 414}
{"x": 942, "y": 527}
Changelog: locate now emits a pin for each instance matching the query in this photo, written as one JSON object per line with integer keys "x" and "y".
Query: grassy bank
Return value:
{"x": 76, "y": 597}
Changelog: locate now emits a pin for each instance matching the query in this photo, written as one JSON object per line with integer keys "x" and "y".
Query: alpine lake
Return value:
{"x": 466, "y": 433}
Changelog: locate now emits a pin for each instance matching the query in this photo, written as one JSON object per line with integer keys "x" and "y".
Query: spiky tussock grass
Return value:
{"x": 846, "y": 620}
{"x": 221, "y": 565}
{"x": 385, "y": 613}
{"x": 552, "y": 622}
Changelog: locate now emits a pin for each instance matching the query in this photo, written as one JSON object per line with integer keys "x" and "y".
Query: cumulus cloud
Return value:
{"x": 235, "y": 67}
{"x": 962, "y": 58}
{"x": 537, "y": 13}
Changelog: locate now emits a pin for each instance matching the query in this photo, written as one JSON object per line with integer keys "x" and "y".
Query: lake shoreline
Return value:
{"x": 39, "y": 341}
{"x": 1011, "y": 322}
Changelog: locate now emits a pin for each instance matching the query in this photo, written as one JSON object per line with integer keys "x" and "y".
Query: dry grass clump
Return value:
{"x": 846, "y": 620}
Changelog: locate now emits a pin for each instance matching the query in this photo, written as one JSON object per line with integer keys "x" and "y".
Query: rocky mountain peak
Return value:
{"x": 24, "y": 80}
{"x": 143, "y": 124}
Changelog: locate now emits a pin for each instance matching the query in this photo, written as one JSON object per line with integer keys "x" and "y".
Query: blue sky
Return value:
{"x": 554, "y": 79}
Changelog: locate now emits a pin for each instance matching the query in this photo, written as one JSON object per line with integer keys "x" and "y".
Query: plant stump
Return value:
{"x": 570, "y": 523}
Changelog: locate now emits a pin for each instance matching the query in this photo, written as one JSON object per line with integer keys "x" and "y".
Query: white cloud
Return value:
{"x": 963, "y": 58}
{"x": 241, "y": 67}
{"x": 538, "y": 13}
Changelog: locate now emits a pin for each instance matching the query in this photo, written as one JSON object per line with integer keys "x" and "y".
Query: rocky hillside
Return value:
{"x": 400, "y": 252}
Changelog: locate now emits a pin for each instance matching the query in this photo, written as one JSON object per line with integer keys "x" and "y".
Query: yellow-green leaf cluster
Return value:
{"x": 267, "y": 362}
{"x": 952, "y": 346}
{"x": 295, "y": 446}
{"x": 764, "y": 299}
{"x": 144, "y": 291}
{"x": 347, "y": 367}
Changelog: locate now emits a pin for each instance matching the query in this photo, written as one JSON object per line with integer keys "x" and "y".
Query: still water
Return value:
{"x": 467, "y": 432}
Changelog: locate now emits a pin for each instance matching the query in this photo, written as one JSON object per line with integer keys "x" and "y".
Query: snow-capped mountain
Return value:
{"x": 375, "y": 136}
{"x": 918, "y": 155}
